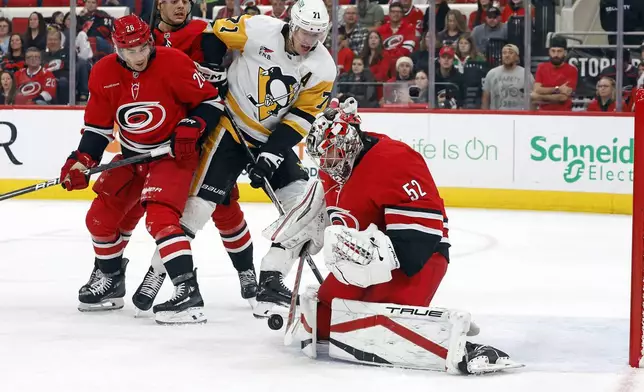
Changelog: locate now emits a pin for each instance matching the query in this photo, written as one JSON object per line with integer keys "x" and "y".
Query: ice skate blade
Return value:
{"x": 108, "y": 304}
{"x": 500, "y": 365}
{"x": 189, "y": 316}
{"x": 266, "y": 309}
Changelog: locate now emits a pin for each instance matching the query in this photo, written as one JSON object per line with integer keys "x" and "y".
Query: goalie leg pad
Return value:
{"x": 304, "y": 222}
{"x": 398, "y": 335}
{"x": 306, "y": 326}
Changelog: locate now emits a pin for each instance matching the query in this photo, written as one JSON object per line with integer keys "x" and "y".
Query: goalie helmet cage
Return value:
{"x": 636, "y": 345}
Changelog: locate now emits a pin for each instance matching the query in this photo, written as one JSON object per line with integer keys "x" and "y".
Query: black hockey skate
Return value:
{"x": 273, "y": 297}
{"x": 103, "y": 291}
{"x": 96, "y": 274}
{"x": 272, "y": 288}
{"x": 185, "y": 306}
{"x": 144, "y": 296}
{"x": 479, "y": 359}
{"x": 248, "y": 283}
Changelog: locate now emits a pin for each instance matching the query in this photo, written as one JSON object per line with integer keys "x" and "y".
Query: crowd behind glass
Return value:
{"x": 382, "y": 50}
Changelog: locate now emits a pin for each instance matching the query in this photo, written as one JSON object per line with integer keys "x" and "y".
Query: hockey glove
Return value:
{"x": 216, "y": 75}
{"x": 266, "y": 165}
{"x": 184, "y": 140}
{"x": 72, "y": 174}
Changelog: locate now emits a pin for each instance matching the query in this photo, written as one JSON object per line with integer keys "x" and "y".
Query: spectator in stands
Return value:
{"x": 412, "y": 15}
{"x": 606, "y": 99}
{"x": 515, "y": 8}
{"x": 396, "y": 91}
{"x": 227, "y": 11}
{"x": 359, "y": 83}
{"x": 633, "y": 19}
{"x": 449, "y": 81}
{"x": 36, "y": 35}
{"x": 278, "y": 9}
{"x": 556, "y": 80}
{"x": 454, "y": 28}
{"x": 339, "y": 13}
{"x": 419, "y": 92}
{"x": 8, "y": 88}
{"x": 421, "y": 57}
{"x": 441, "y": 10}
{"x": 478, "y": 17}
{"x": 504, "y": 87}
{"x": 252, "y": 10}
{"x": 492, "y": 29}
{"x": 377, "y": 59}
{"x": 345, "y": 55}
{"x": 83, "y": 47}
{"x": 630, "y": 74}
{"x": 466, "y": 51}
{"x": 58, "y": 20}
{"x": 355, "y": 33}
{"x": 35, "y": 84}
{"x": 370, "y": 14}
{"x": 5, "y": 34}
{"x": 56, "y": 61}
{"x": 120, "y": 3}
{"x": 398, "y": 38}
{"x": 15, "y": 59}
{"x": 97, "y": 24}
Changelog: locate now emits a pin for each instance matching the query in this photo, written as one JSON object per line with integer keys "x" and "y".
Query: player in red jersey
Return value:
{"x": 381, "y": 222}
{"x": 176, "y": 31}
{"x": 157, "y": 97}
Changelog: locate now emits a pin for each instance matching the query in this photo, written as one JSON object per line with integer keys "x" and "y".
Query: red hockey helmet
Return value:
{"x": 130, "y": 31}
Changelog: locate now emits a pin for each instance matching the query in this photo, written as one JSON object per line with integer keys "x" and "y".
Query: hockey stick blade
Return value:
{"x": 98, "y": 169}
{"x": 289, "y": 334}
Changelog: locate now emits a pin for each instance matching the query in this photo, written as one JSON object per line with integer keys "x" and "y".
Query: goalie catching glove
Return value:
{"x": 359, "y": 258}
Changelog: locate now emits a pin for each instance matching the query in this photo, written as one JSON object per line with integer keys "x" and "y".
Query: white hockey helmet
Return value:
{"x": 312, "y": 17}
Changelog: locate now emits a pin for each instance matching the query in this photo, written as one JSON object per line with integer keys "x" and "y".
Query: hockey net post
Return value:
{"x": 636, "y": 344}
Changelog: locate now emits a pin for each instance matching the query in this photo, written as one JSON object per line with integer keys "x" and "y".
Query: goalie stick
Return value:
{"x": 303, "y": 256}
{"x": 98, "y": 169}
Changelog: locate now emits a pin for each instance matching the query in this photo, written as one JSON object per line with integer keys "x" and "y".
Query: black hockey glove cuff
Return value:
{"x": 265, "y": 166}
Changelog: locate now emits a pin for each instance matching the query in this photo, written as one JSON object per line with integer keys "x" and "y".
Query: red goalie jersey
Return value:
{"x": 392, "y": 187}
{"x": 399, "y": 43}
{"x": 146, "y": 106}
{"x": 186, "y": 39}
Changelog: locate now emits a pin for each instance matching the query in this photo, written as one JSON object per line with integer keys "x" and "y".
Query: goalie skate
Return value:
{"x": 480, "y": 359}
{"x": 105, "y": 291}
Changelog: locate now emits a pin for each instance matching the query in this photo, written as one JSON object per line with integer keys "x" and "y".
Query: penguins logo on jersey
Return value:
{"x": 275, "y": 92}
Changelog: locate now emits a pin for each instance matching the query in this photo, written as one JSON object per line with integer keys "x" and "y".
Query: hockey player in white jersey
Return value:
{"x": 280, "y": 81}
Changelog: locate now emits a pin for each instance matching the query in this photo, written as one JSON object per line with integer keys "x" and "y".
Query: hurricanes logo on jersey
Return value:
{"x": 275, "y": 92}
{"x": 342, "y": 217}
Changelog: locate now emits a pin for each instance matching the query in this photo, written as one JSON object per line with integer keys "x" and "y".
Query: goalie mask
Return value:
{"x": 334, "y": 141}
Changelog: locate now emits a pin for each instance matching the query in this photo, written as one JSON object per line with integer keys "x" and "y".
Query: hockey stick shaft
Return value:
{"x": 270, "y": 192}
{"x": 98, "y": 169}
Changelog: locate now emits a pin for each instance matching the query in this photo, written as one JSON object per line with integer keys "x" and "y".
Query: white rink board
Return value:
{"x": 523, "y": 152}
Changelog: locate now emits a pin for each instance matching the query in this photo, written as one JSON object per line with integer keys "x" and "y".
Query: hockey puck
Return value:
{"x": 275, "y": 322}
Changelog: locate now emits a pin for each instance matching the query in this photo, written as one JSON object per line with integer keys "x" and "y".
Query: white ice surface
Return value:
{"x": 551, "y": 289}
